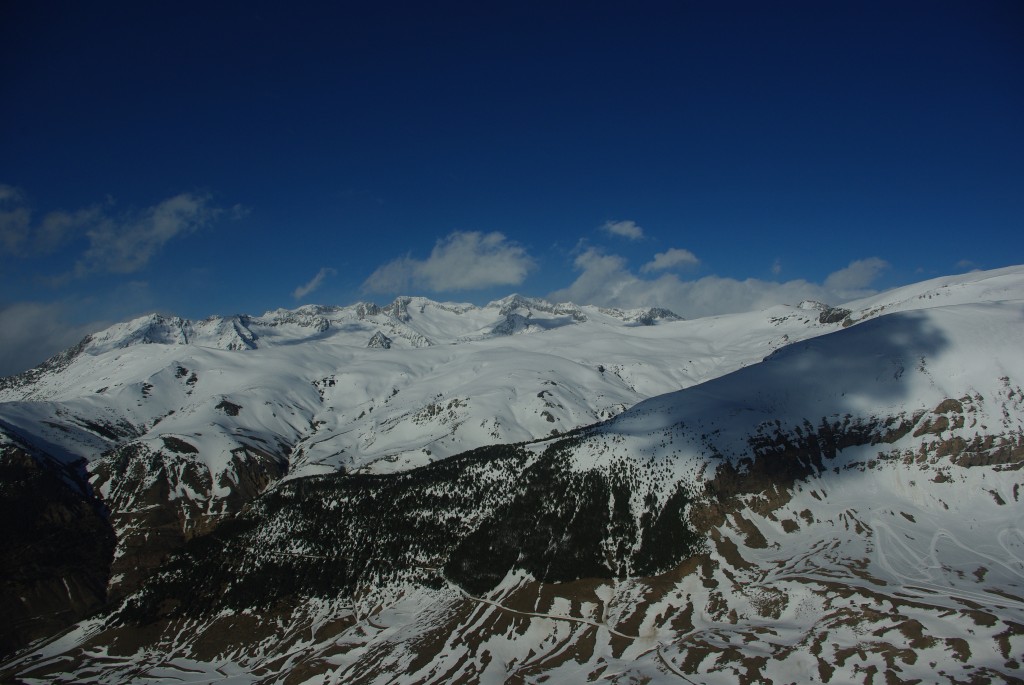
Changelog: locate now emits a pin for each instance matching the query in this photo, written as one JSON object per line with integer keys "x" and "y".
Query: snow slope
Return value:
{"x": 182, "y": 422}
{"x": 456, "y": 376}
{"x": 310, "y": 390}
{"x": 850, "y": 510}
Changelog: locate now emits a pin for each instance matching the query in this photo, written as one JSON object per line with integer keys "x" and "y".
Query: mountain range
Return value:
{"x": 525, "y": 492}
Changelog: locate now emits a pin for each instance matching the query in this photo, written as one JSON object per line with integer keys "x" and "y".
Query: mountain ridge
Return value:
{"x": 179, "y": 330}
{"x": 665, "y": 538}
{"x": 234, "y": 332}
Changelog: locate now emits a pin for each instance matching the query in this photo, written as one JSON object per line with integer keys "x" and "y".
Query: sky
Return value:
{"x": 709, "y": 157}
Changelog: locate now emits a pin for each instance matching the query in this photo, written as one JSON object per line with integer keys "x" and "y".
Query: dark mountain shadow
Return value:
{"x": 789, "y": 418}
{"x": 56, "y": 547}
{"x": 868, "y": 365}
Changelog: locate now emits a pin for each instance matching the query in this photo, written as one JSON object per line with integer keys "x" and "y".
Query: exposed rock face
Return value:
{"x": 651, "y": 316}
{"x": 520, "y": 304}
{"x": 56, "y": 547}
{"x": 365, "y": 309}
{"x": 833, "y": 315}
{"x": 73, "y": 541}
{"x": 399, "y": 309}
{"x": 379, "y": 340}
{"x": 160, "y": 500}
{"x": 511, "y": 324}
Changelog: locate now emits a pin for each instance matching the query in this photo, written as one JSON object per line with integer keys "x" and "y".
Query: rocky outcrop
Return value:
{"x": 833, "y": 315}
{"x": 380, "y": 341}
{"x": 161, "y": 500}
{"x": 650, "y": 317}
{"x": 56, "y": 547}
{"x": 518, "y": 304}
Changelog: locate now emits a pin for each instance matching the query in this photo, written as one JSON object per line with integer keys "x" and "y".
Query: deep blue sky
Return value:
{"x": 201, "y": 158}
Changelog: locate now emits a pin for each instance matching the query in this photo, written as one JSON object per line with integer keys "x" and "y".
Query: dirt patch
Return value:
{"x": 178, "y": 446}
{"x": 949, "y": 406}
{"x": 932, "y": 427}
{"x": 752, "y": 536}
{"x": 229, "y": 408}
{"x": 729, "y": 551}
{"x": 959, "y": 648}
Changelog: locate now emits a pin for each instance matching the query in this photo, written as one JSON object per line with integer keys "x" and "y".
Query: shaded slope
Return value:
{"x": 56, "y": 547}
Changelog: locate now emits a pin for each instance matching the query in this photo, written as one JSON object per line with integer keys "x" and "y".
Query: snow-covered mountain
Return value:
{"x": 431, "y": 492}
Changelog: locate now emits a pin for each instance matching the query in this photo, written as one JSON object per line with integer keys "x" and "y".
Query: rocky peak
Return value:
{"x": 399, "y": 309}
{"x": 649, "y": 317}
{"x": 511, "y": 324}
{"x": 526, "y": 305}
{"x": 380, "y": 340}
{"x": 307, "y": 316}
{"x": 365, "y": 309}
{"x": 833, "y": 315}
{"x": 150, "y": 329}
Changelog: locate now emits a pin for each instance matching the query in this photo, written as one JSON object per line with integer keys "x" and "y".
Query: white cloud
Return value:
{"x": 777, "y": 267}
{"x": 15, "y": 219}
{"x": 313, "y": 284}
{"x": 624, "y": 229}
{"x": 14, "y": 229}
{"x": 116, "y": 244}
{"x": 21, "y": 237}
{"x": 671, "y": 258}
{"x": 605, "y": 280}
{"x": 58, "y": 227}
{"x": 32, "y": 332}
{"x": 857, "y": 276}
{"x": 461, "y": 261}
{"x": 239, "y": 211}
{"x": 394, "y": 277}
{"x": 127, "y": 245}
{"x": 9, "y": 193}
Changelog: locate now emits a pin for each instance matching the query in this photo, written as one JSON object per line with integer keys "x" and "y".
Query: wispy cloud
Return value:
{"x": 624, "y": 229}
{"x": 858, "y": 275}
{"x": 31, "y": 332}
{"x": 670, "y": 259}
{"x": 606, "y": 280}
{"x": 14, "y": 229}
{"x": 314, "y": 283}
{"x": 126, "y": 244}
{"x": 462, "y": 261}
{"x": 9, "y": 193}
{"x": 115, "y": 242}
{"x": 21, "y": 237}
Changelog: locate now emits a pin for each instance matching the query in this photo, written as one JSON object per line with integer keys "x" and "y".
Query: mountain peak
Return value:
{"x": 526, "y": 305}
{"x": 380, "y": 341}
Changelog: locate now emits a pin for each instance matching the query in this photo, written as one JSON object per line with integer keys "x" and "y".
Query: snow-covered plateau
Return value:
{"x": 525, "y": 492}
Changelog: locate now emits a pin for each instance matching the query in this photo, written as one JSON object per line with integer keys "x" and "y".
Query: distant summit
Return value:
{"x": 406, "y": 322}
